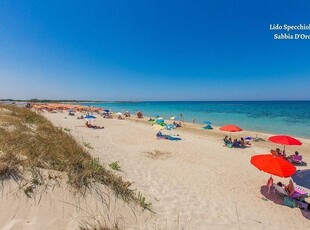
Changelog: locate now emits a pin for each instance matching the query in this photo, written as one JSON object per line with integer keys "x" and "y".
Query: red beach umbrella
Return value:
{"x": 231, "y": 128}
{"x": 284, "y": 140}
{"x": 274, "y": 165}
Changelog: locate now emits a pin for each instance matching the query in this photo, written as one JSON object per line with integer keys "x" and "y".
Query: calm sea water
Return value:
{"x": 284, "y": 117}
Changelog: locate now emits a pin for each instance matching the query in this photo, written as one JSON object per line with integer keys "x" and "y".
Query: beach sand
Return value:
{"x": 195, "y": 183}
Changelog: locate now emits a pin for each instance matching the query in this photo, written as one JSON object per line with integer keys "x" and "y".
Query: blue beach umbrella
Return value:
{"x": 302, "y": 178}
{"x": 90, "y": 117}
{"x": 106, "y": 110}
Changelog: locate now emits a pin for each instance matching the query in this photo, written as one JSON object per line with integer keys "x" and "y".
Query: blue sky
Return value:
{"x": 152, "y": 50}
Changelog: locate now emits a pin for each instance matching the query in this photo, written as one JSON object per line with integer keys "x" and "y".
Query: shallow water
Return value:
{"x": 280, "y": 117}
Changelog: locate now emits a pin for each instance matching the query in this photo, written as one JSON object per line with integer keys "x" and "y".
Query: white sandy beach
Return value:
{"x": 195, "y": 183}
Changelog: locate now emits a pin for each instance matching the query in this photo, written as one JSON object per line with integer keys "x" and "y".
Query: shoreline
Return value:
{"x": 94, "y": 104}
{"x": 197, "y": 126}
{"x": 92, "y": 108}
{"x": 278, "y": 117}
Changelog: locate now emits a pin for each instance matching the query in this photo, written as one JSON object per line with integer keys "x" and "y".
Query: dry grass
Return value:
{"x": 28, "y": 140}
{"x": 98, "y": 226}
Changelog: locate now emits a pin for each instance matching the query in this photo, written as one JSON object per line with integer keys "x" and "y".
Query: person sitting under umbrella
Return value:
{"x": 236, "y": 143}
{"x": 280, "y": 153}
{"x": 289, "y": 188}
{"x": 242, "y": 143}
{"x": 225, "y": 140}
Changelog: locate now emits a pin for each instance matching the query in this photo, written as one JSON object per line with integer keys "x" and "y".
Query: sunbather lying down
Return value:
{"x": 88, "y": 125}
{"x": 159, "y": 135}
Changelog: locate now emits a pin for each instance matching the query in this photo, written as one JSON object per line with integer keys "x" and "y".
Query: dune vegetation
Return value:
{"x": 30, "y": 143}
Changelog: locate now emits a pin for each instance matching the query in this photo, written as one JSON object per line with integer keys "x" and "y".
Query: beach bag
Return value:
{"x": 289, "y": 202}
{"x": 303, "y": 205}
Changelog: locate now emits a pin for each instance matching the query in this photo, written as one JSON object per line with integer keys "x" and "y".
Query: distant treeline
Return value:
{"x": 47, "y": 101}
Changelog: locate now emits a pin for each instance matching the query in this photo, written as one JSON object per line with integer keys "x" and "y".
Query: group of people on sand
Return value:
{"x": 235, "y": 143}
{"x": 295, "y": 157}
{"x": 278, "y": 152}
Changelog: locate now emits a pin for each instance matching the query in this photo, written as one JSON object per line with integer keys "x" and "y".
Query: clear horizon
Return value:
{"x": 153, "y": 51}
{"x": 82, "y": 100}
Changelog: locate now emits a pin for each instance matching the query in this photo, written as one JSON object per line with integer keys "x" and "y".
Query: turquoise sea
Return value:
{"x": 279, "y": 117}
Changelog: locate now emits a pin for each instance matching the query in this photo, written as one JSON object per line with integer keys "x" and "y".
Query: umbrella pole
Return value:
{"x": 270, "y": 183}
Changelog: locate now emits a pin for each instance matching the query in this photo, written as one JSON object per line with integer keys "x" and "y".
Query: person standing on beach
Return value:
{"x": 194, "y": 120}
{"x": 181, "y": 116}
